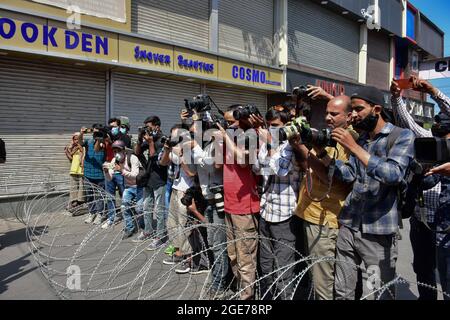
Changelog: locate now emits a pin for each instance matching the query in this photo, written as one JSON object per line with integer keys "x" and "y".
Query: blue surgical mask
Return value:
{"x": 123, "y": 130}
{"x": 115, "y": 131}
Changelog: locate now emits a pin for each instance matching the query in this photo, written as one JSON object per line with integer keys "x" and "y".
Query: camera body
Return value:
{"x": 301, "y": 92}
{"x": 188, "y": 196}
{"x": 431, "y": 151}
{"x": 200, "y": 103}
{"x": 300, "y": 126}
{"x": 245, "y": 112}
{"x": 171, "y": 143}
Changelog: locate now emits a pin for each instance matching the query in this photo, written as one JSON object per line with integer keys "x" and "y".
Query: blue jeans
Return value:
{"x": 168, "y": 193}
{"x": 116, "y": 182}
{"x": 94, "y": 197}
{"x": 443, "y": 262}
{"x": 154, "y": 202}
{"x": 217, "y": 240}
{"x": 132, "y": 198}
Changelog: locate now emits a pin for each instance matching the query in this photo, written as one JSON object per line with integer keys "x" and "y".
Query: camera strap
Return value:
{"x": 309, "y": 182}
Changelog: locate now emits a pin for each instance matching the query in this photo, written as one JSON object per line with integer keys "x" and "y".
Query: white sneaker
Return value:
{"x": 107, "y": 224}
{"x": 98, "y": 219}
{"x": 142, "y": 237}
{"x": 90, "y": 218}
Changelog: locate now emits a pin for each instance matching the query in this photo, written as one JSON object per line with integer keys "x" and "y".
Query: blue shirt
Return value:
{"x": 93, "y": 161}
{"x": 371, "y": 207}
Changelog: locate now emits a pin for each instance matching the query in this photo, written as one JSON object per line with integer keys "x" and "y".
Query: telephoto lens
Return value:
{"x": 294, "y": 128}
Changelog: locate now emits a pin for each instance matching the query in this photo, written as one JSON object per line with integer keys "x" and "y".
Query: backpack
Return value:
{"x": 143, "y": 175}
{"x": 408, "y": 188}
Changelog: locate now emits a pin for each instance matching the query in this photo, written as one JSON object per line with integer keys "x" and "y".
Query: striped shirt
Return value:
{"x": 405, "y": 120}
{"x": 371, "y": 207}
{"x": 282, "y": 180}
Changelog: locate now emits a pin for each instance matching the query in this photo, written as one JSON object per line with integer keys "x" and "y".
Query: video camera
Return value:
{"x": 245, "y": 112}
{"x": 317, "y": 137}
{"x": 431, "y": 151}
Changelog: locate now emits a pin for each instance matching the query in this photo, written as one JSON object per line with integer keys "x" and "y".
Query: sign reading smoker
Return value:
{"x": 435, "y": 69}
{"x": 252, "y": 75}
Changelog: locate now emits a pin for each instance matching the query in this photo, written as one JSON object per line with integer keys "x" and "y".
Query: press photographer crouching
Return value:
{"x": 198, "y": 261}
{"x": 432, "y": 151}
{"x": 152, "y": 139}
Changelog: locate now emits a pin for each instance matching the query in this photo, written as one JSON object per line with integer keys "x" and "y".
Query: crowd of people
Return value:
{"x": 252, "y": 211}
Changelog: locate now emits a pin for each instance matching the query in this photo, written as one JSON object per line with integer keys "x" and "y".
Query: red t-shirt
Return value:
{"x": 109, "y": 152}
{"x": 240, "y": 193}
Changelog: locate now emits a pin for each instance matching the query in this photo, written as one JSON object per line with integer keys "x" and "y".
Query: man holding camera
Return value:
{"x": 423, "y": 239}
{"x": 242, "y": 203}
{"x": 150, "y": 139}
{"x": 94, "y": 180}
{"x": 319, "y": 208}
{"x": 185, "y": 174}
{"x": 370, "y": 218}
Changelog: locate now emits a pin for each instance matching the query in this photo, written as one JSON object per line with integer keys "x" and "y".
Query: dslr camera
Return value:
{"x": 200, "y": 103}
{"x": 312, "y": 136}
{"x": 245, "y": 112}
{"x": 171, "y": 143}
{"x": 189, "y": 196}
{"x": 301, "y": 92}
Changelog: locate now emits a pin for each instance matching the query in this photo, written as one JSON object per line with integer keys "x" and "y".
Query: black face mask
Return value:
{"x": 368, "y": 124}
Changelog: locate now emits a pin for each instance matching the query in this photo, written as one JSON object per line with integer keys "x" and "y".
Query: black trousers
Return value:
{"x": 423, "y": 242}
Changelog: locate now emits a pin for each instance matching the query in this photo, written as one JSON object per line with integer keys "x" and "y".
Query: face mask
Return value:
{"x": 368, "y": 124}
{"x": 115, "y": 131}
{"x": 123, "y": 130}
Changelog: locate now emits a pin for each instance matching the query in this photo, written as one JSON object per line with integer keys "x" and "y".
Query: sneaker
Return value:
{"x": 118, "y": 219}
{"x": 90, "y": 218}
{"x": 99, "y": 219}
{"x": 107, "y": 224}
{"x": 142, "y": 237}
{"x": 184, "y": 267}
{"x": 155, "y": 245}
{"x": 128, "y": 234}
{"x": 173, "y": 260}
{"x": 170, "y": 250}
{"x": 199, "y": 269}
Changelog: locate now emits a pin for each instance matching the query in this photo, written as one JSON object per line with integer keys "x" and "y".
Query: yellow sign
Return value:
{"x": 249, "y": 74}
{"x": 195, "y": 63}
{"x": 145, "y": 54}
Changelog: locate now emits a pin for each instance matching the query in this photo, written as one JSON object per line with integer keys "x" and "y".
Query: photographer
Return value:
{"x": 211, "y": 181}
{"x": 185, "y": 174}
{"x": 281, "y": 175}
{"x": 128, "y": 165}
{"x": 242, "y": 203}
{"x": 369, "y": 218}
{"x": 94, "y": 180}
{"x": 150, "y": 139}
{"x": 319, "y": 208}
{"x": 422, "y": 237}
{"x": 117, "y": 182}
{"x": 198, "y": 261}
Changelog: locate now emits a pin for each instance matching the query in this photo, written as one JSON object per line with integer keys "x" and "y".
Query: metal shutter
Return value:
{"x": 138, "y": 97}
{"x": 322, "y": 39}
{"x": 246, "y": 29}
{"x": 225, "y": 97}
{"x": 430, "y": 39}
{"x": 378, "y": 60}
{"x": 186, "y": 22}
{"x": 41, "y": 105}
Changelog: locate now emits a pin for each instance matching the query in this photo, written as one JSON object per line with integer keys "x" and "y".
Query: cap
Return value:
{"x": 125, "y": 121}
{"x": 369, "y": 94}
{"x": 118, "y": 144}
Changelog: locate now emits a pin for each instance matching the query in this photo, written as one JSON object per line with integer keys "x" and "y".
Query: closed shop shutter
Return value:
{"x": 378, "y": 60}
{"x": 41, "y": 105}
{"x": 322, "y": 39}
{"x": 246, "y": 29}
{"x": 138, "y": 97}
{"x": 430, "y": 39}
{"x": 225, "y": 97}
{"x": 186, "y": 22}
